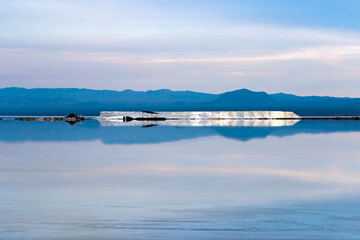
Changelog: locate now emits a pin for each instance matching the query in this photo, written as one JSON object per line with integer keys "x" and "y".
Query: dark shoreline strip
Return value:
{"x": 331, "y": 118}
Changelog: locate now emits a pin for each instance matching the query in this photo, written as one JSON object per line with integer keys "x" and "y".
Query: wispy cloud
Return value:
{"x": 324, "y": 53}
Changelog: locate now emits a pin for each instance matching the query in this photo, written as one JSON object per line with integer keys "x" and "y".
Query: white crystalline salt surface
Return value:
{"x": 204, "y": 115}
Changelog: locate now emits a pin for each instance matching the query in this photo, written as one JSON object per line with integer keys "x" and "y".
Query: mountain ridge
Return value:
{"x": 61, "y": 101}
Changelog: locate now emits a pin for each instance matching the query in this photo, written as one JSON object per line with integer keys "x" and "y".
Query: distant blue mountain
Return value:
{"x": 244, "y": 96}
{"x": 62, "y": 101}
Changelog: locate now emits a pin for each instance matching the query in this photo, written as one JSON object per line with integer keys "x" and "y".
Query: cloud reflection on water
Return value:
{"x": 298, "y": 181}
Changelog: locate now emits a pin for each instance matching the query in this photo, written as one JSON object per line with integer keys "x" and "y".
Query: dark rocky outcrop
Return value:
{"x": 71, "y": 118}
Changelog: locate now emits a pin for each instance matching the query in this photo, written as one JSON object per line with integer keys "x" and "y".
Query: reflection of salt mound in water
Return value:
{"x": 203, "y": 123}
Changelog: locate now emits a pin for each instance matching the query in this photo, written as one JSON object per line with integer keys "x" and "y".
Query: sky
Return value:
{"x": 304, "y": 47}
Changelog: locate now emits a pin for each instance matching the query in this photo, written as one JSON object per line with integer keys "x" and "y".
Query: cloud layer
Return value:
{"x": 142, "y": 45}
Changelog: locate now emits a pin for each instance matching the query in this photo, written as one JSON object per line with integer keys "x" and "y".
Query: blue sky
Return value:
{"x": 303, "y": 47}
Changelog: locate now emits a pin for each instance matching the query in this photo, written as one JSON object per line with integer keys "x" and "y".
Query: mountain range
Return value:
{"x": 62, "y": 101}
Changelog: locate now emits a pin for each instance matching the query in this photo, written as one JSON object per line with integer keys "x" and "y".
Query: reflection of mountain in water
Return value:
{"x": 304, "y": 127}
{"x": 14, "y": 131}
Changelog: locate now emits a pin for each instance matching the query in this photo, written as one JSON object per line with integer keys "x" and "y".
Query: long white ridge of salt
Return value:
{"x": 114, "y": 115}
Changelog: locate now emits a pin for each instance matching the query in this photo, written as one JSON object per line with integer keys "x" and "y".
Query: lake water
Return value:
{"x": 88, "y": 181}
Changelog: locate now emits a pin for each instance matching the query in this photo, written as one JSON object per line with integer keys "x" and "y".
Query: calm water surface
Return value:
{"x": 90, "y": 182}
